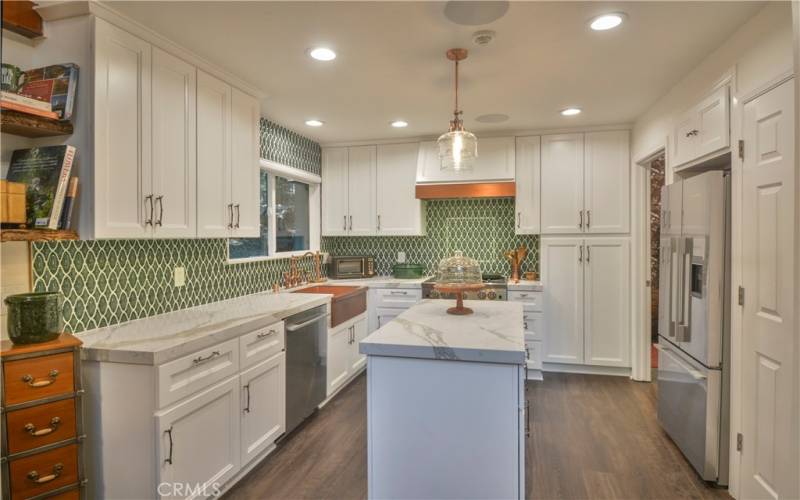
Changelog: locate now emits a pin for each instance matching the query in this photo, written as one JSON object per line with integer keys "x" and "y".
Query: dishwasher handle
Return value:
{"x": 298, "y": 326}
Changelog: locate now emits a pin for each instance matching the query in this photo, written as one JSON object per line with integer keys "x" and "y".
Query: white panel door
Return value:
{"x": 358, "y": 360}
{"x": 399, "y": 210}
{"x": 607, "y": 170}
{"x": 769, "y": 377}
{"x": 361, "y": 187}
{"x": 263, "y": 393}
{"x": 123, "y": 194}
{"x": 713, "y": 123}
{"x": 607, "y": 302}
{"x": 562, "y": 184}
{"x": 528, "y": 179}
{"x": 174, "y": 146}
{"x": 334, "y": 192}
{"x": 245, "y": 168}
{"x": 338, "y": 357}
{"x": 198, "y": 440}
{"x": 214, "y": 211}
{"x": 562, "y": 276}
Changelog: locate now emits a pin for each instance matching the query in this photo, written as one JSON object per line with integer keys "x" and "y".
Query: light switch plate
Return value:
{"x": 401, "y": 257}
{"x": 180, "y": 276}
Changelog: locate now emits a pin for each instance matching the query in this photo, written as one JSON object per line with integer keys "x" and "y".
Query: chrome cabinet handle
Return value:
{"x": 580, "y": 219}
{"x": 34, "y": 476}
{"x": 168, "y": 460}
{"x": 519, "y": 220}
{"x": 527, "y": 418}
{"x": 236, "y": 226}
{"x": 148, "y": 200}
{"x": 525, "y": 326}
{"x": 344, "y": 227}
{"x": 31, "y": 429}
{"x": 264, "y": 335}
{"x": 398, "y": 292}
{"x": 379, "y": 222}
{"x": 200, "y": 359}
{"x": 588, "y": 219}
{"x": 692, "y": 132}
{"x": 247, "y": 408}
{"x": 230, "y": 215}
{"x": 580, "y": 253}
{"x": 351, "y": 223}
{"x": 32, "y": 382}
{"x": 160, "y": 200}
{"x": 588, "y": 253}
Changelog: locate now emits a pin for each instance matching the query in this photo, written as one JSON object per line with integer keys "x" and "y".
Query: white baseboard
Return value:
{"x": 587, "y": 369}
{"x": 345, "y": 384}
{"x": 535, "y": 375}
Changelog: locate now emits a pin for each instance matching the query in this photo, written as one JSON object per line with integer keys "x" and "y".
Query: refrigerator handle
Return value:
{"x": 685, "y": 329}
{"x": 675, "y": 283}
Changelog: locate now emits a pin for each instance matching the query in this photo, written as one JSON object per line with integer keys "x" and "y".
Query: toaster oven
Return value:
{"x": 351, "y": 267}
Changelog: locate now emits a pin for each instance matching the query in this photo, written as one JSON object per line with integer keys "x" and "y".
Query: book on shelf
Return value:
{"x": 69, "y": 204}
{"x": 23, "y": 100}
{"x": 56, "y": 84}
{"x": 27, "y": 109}
{"x": 45, "y": 171}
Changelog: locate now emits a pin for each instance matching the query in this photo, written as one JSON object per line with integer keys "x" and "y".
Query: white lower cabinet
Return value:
{"x": 385, "y": 315}
{"x": 360, "y": 332}
{"x": 344, "y": 360}
{"x": 385, "y": 304}
{"x": 199, "y": 443}
{"x": 263, "y": 393}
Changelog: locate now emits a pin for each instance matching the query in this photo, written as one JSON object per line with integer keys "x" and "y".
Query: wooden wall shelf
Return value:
{"x": 14, "y": 122}
{"x": 37, "y": 235}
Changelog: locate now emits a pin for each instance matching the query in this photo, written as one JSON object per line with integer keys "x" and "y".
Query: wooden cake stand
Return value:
{"x": 458, "y": 290}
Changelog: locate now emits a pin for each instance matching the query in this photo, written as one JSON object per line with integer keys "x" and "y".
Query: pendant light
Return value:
{"x": 457, "y": 148}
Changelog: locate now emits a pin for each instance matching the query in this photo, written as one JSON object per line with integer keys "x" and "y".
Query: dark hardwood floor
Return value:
{"x": 591, "y": 437}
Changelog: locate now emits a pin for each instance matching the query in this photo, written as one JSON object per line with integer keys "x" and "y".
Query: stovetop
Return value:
{"x": 495, "y": 287}
{"x": 488, "y": 279}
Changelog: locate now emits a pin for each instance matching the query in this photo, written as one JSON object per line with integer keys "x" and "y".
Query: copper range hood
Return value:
{"x": 465, "y": 190}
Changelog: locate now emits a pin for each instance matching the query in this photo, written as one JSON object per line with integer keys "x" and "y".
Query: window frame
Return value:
{"x": 314, "y": 182}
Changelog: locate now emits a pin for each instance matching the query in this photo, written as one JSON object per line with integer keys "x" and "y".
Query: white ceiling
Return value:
{"x": 391, "y": 61}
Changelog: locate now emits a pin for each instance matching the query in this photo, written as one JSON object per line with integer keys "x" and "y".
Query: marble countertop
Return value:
{"x": 159, "y": 339}
{"x": 525, "y": 286}
{"x": 492, "y": 334}
{"x": 381, "y": 282}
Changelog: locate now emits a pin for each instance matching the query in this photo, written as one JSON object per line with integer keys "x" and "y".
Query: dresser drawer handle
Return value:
{"x": 264, "y": 335}
{"x": 28, "y": 379}
{"x": 31, "y": 429}
{"x": 200, "y": 359}
{"x": 34, "y": 476}
{"x": 395, "y": 292}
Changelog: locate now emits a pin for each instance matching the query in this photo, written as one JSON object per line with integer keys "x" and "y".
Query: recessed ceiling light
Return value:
{"x": 322, "y": 54}
{"x": 570, "y": 111}
{"x": 607, "y": 21}
{"x": 399, "y": 124}
{"x": 314, "y": 123}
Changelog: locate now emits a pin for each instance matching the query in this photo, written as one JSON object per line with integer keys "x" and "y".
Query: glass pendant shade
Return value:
{"x": 458, "y": 150}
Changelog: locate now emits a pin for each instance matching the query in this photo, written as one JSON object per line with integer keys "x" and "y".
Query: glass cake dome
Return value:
{"x": 458, "y": 270}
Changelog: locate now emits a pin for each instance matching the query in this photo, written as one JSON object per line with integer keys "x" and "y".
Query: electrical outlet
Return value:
{"x": 401, "y": 257}
{"x": 180, "y": 276}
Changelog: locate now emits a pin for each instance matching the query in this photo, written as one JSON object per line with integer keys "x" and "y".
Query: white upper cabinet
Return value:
{"x": 174, "y": 146}
{"x": 334, "y": 192}
{"x": 703, "y": 132}
{"x": 562, "y": 184}
{"x": 361, "y": 187}
{"x": 399, "y": 211}
{"x": 495, "y": 163}
{"x": 607, "y": 182}
{"x": 123, "y": 201}
{"x": 245, "y": 168}
{"x": 528, "y": 174}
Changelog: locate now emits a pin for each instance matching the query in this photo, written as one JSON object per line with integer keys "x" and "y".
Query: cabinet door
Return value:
{"x": 713, "y": 123}
{"x": 198, "y": 440}
{"x": 214, "y": 212}
{"x": 263, "y": 392}
{"x": 562, "y": 184}
{"x": 683, "y": 140}
{"x": 361, "y": 215}
{"x": 122, "y": 134}
{"x": 338, "y": 356}
{"x": 562, "y": 276}
{"x": 528, "y": 173}
{"x": 607, "y": 302}
{"x": 358, "y": 360}
{"x": 386, "y": 315}
{"x": 334, "y": 192}
{"x": 245, "y": 181}
{"x": 607, "y": 183}
{"x": 495, "y": 163}
{"x": 174, "y": 146}
{"x": 399, "y": 210}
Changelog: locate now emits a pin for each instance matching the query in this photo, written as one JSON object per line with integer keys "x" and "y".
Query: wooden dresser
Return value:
{"x": 42, "y": 428}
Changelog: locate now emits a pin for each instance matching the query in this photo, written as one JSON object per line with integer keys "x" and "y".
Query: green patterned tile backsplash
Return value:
{"x": 481, "y": 228}
{"x": 281, "y": 145}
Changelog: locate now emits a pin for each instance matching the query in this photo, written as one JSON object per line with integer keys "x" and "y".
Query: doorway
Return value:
{"x": 656, "y": 170}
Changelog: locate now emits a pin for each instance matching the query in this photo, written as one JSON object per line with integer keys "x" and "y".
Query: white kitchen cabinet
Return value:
{"x": 562, "y": 184}
{"x": 360, "y": 332}
{"x": 338, "y": 357}
{"x": 607, "y": 182}
{"x": 334, "y": 191}
{"x": 174, "y": 126}
{"x": 263, "y": 393}
{"x": 198, "y": 440}
{"x": 562, "y": 277}
{"x": 703, "y": 131}
{"x": 245, "y": 168}
{"x": 528, "y": 185}
{"x": 361, "y": 188}
{"x": 386, "y": 314}
{"x": 495, "y": 163}
{"x": 398, "y": 209}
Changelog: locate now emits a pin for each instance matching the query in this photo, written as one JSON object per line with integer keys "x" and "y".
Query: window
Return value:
{"x": 289, "y": 200}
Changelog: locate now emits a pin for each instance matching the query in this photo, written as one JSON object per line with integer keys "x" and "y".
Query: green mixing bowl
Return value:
{"x": 34, "y": 317}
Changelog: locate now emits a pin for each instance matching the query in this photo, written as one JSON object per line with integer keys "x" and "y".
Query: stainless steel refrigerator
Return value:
{"x": 693, "y": 323}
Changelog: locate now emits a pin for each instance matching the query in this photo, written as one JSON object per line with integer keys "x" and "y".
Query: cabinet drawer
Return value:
{"x": 36, "y": 378}
{"x": 532, "y": 301}
{"x": 40, "y": 425}
{"x": 534, "y": 325}
{"x": 534, "y": 354}
{"x": 396, "y": 297}
{"x": 43, "y": 472}
{"x": 261, "y": 344}
{"x": 182, "y": 377}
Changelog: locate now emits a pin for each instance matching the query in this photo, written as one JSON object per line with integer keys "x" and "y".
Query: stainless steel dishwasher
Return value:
{"x": 306, "y": 378}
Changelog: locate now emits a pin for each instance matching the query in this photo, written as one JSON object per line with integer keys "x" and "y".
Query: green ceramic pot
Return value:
{"x": 34, "y": 317}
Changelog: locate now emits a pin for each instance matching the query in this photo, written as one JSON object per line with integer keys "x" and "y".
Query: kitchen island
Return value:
{"x": 446, "y": 403}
